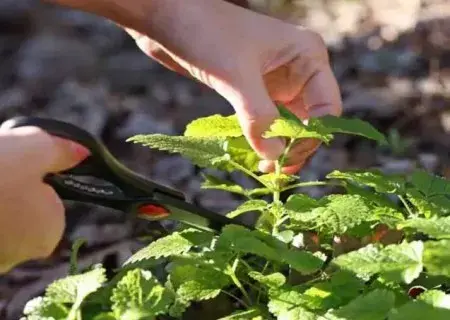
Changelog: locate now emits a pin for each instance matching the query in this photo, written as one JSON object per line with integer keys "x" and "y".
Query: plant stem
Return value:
{"x": 236, "y": 281}
{"x": 242, "y": 302}
{"x": 266, "y": 265}
{"x": 276, "y": 193}
{"x": 310, "y": 184}
{"x": 405, "y": 203}
{"x": 247, "y": 172}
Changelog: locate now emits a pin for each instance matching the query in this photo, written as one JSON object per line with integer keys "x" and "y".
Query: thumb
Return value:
{"x": 42, "y": 152}
{"x": 256, "y": 112}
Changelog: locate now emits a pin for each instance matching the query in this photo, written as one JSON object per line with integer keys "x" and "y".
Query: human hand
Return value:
{"x": 251, "y": 60}
{"x": 32, "y": 215}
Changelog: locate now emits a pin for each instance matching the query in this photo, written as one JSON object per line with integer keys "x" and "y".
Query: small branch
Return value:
{"x": 242, "y": 302}
{"x": 236, "y": 281}
{"x": 405, "y": 203}
{"x": 248, "y": 172}
{"x": 311, "y": 184}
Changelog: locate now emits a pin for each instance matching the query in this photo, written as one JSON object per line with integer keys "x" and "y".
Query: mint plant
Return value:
{"x": 353, "y": 255}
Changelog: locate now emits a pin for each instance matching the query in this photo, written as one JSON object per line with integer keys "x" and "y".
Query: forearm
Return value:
{"x": 133, "y": 14}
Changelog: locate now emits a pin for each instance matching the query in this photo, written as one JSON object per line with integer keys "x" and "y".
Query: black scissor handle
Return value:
{"x": 100, "y": 164}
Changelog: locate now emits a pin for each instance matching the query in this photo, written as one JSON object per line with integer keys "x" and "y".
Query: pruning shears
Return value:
{"x": 127, "y": 191}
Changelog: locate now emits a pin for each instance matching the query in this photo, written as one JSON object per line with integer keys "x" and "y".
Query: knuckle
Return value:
{"x": 316, "y": 44}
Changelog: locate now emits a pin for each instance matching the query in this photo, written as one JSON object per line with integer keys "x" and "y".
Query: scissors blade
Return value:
{"x": 196, "y": 216}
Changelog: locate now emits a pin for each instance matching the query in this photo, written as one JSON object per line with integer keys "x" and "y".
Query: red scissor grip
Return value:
{"x": 152, "y": 212}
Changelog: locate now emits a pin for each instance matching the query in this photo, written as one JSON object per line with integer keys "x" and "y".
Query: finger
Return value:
{"x": 321, "y": 95}
{"x": 256, "y": 112}
{"x": 36, "y": 150}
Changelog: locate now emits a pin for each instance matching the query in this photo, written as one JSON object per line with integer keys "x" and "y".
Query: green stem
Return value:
{"x": 266, "y": 265}
{"x": 242, "y": 302}
{"x": 310, "y": 184}
{"x": 247, "y": 172}
{"x": 276, "y": 193}
{"x": 405, "y": 203}
{"x": 236, "y": 281}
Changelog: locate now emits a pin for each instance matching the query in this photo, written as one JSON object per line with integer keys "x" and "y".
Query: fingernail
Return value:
{"x": 265, "y": 166}
{"x": 79, "y": 152}
{"x": 272, "y": 148}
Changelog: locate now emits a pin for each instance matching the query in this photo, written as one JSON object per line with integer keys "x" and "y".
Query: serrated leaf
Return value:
{"x": 419, "y": 310}
{"x": 438, "y": 228}
{"x": 273, "y": 280}
{"x": 212, "y": 182}
{"x": 425, "y": 207}
{"x": 45, "y": 308}
{"x": 203, "y": 152}
{"x": 435, "y": 298}
{"x": 300, "y": 203}
{"x": 242, "y": 153}
{"x": 429, "y": 184}
{"x": 349, "y": 126}
{"x": 196, "y": 283}
{"x": 138, "y": 296}
{"x": 173, "y": 244}
{"x": 289, "y": 304}
{"x": 241, "y": 240}
{"x": 323, "y": 128}
{"x": 251, "y": 314}
{"x": 297, "y": 130}
{"x": 335, "y": 215}
{"x": 251, "y": 205}
{"x": 374, "y": 305}
{"x": 73, "y": 289}
{"x": 338, "y": 291}
{"x": 214, "y": 126}
{"x": 436, "y": 257}
{"x": 371, "y": 178}
{"x": 276, "y": 181}
{"x": 397, "y": 262}
{"x": 370, "y": 196}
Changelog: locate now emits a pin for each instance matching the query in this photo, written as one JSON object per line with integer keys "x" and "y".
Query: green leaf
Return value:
{"x": 419, "y": 310}
{"x": 435, "y": 298}
{"x": 276, "y": 182}
{"x": 212, "y": 182}
{"x": 349, "y": 126}
{"x": 289, "y": 304}
{"x": 288, "y": 125}
{"x": 196, "y": 283}
{"x": 214, "y": 126}
{"x": 370, "y": 196}
{"x": 372, "y": 178}
{"x": 339, "y": 290}
{"x": 203, "y": 152}
{"x": 436, "y": 257}
{"x": 173, "y": 244}
{"x": 251, "y": 314}
{"x": 251, "y": 205}
{"x": 73, "y": 289}
{"x": 301, "y": 203}
{"x": 335, "y": 215}
{"x": 138, "y": 296}
{"x": 242, "y": 153}
{"x": 241, "y": 240}
{"x": 43, "y": 308}
{"x": 438, "y": 228}
{"x": 293, "y": 129}
{"x": 374, "y": 305}
{"x": 397, "y": 262}
{"x": 273, "y": 280}
{"x": 430, "y": 185}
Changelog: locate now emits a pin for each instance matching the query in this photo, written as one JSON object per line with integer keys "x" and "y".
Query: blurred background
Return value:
{"x": 391, "y": 58}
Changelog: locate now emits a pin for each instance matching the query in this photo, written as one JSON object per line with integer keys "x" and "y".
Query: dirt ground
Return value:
{"x": 391, "y": 58}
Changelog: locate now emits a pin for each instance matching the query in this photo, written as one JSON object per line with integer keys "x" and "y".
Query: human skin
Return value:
{"x": 251, "y": 60}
